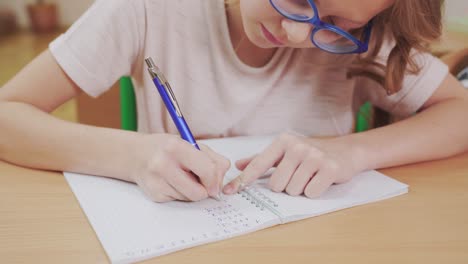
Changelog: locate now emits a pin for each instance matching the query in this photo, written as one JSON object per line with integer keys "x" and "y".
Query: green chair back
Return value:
{"x": 128, "y": 110}
{"x": 364, "y": 117}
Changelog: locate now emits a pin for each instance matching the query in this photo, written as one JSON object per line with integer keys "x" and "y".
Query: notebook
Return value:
{"x": 133, "y": 228}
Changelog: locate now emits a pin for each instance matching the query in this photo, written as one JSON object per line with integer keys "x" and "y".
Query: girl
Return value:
{"x": 246, "y": 67}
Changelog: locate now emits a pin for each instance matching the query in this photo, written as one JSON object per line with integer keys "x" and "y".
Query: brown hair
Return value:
{"x": 412, "y": 25}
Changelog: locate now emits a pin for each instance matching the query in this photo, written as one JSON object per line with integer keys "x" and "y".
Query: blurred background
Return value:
{"x": 27, "y": 26}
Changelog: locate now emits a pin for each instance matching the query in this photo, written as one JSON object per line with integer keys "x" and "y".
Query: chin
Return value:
{"x": 258, "y": 40}
{"x": 264, "y": 45}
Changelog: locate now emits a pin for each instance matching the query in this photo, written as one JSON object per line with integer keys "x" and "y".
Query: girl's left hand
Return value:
{"x": 303, "y": 165}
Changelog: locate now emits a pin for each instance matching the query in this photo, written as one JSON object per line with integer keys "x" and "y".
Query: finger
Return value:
{"x": 171, "y": 192}
{"x": 198, "y": 162}
{"x": 237, "y": 184}
{"x": 301, "y": 177}
{"x": 162, "y": 198}
{"x": 234, "y": 186}
{"x": 257, "y": 167}
{"x": 319, "y": 184}
{"x": 286, "y": 168}
{"x": 156, "y": 190}
{"x": 187, "y": 184}
{"x": 242, "y": 163}
{"x": 223, "y": 164}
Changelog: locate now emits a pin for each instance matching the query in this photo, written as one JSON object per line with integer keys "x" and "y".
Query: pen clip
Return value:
{"x": 156, "y": 73}
{"x": 173, "y": 99}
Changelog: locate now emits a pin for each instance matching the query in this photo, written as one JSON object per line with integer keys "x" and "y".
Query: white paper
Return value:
{"x": 132, "y": 228}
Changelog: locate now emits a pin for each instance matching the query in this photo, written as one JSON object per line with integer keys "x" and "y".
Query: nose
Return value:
{"x": 296, "y": 32}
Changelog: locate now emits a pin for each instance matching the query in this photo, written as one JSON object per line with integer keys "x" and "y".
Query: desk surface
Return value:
{"x": 41, "y": 221}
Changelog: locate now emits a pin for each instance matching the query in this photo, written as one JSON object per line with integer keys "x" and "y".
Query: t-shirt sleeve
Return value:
{"x": 102, "y": 45}
{"x": 415, "y": 91}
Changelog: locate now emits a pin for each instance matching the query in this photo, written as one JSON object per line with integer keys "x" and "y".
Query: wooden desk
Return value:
{"x": 41, "y": 221}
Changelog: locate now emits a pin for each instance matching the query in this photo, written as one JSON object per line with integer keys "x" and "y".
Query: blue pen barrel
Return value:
{"x": 185, "y": 132}
{"x": 179, "y": 121}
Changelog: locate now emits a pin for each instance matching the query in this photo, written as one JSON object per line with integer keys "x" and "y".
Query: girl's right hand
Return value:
{"x": 175, "y": 170}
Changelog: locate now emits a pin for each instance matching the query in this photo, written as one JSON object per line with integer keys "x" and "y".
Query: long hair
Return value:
{"x": 412, "y": 25}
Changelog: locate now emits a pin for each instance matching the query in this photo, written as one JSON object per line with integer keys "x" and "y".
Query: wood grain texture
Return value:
{"x": 41, "y": 221}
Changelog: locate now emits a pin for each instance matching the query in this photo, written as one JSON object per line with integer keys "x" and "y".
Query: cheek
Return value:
{"x": 254, "y": 10}
{"x": 253, "y": 13}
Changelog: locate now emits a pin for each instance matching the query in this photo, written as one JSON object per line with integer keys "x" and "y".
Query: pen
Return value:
{"x": 168, "y": 97}
{"x": 170, "y": 101}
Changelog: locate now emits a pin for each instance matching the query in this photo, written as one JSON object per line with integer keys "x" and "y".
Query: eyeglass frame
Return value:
{"x": 320, "y": 25}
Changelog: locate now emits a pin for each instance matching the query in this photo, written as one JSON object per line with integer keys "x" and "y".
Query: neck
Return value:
{"x": 246, "y": 51}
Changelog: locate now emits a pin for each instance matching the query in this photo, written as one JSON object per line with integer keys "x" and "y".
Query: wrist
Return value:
{"x": 356, "y": 151}
{"x": 142, "y": 149}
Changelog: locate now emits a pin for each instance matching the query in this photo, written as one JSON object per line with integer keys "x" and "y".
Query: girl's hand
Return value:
{"x": 303, "y": 165}
{"x": 166, "y": 172}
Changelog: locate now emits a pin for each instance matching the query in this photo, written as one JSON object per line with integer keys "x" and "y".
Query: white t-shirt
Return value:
{"x": 300, "y": 90}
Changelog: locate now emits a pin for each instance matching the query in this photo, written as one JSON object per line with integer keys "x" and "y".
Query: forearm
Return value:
{"x": 32, "y": 138}
{"x": 437, "y": 132}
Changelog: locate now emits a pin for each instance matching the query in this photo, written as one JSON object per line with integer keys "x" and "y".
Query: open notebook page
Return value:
{"x": 132, "y": 228}
{"x": 370, "y": 186}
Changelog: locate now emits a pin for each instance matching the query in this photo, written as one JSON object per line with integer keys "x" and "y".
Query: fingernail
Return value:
{"x": 214, "y": 191}
{"x": 228, "y": 189}
{"x": 217, "y": 197}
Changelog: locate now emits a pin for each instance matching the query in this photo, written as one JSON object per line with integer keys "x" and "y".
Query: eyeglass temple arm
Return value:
{"x": 367, "y": 31}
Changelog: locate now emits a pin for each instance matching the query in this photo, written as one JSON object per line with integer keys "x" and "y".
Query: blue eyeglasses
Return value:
{"x": 325, "y": 36}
